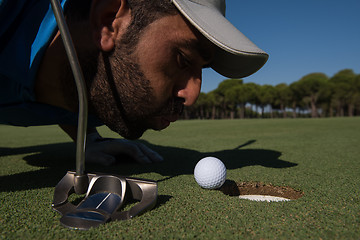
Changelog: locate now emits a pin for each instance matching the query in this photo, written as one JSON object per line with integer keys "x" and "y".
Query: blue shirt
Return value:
{"x": 26, "y": 30}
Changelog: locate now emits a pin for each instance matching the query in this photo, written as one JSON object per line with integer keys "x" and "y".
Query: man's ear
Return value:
{"x": 109, "y": 19}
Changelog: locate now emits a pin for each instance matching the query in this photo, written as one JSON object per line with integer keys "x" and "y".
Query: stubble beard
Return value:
{"x": 119, "y": 93}
{"x": 121, "y": 96}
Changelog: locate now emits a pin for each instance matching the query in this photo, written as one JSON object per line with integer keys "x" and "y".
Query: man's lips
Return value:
{"x": 166, "y": 120}
{"x": 171, "y": 118}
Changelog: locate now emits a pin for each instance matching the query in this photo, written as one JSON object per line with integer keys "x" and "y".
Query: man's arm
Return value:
{"x": 71, "y": 131}
{"x": 105, "y": 151}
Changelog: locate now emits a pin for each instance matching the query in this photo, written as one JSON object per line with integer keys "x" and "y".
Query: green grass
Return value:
{"x": 317, "y": 156}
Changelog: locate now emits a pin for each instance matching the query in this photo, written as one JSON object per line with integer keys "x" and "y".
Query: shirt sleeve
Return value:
{"x": 26, "y": 29}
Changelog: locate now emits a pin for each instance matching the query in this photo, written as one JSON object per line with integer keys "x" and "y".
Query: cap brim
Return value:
{"x": 235, "y": 55}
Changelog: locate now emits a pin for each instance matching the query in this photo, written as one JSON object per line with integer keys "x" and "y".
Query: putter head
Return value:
{"x": 104, "y": 198}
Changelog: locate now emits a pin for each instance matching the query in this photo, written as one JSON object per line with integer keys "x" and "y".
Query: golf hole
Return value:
{"x": 257, "y": 191}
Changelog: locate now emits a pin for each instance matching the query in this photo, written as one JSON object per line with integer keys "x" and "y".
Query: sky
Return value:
{"x": 301, "y": 37}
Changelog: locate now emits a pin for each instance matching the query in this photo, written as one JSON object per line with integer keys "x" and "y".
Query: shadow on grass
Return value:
{"x": 56, "y": 159}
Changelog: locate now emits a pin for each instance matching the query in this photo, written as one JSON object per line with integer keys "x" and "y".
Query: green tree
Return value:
{"x": 239, "y": 95}
{"x": 201, "y": 106}
{"x": 214, "y": 102}
{"x": 231, "y": 98}
{"x": 220, "y": 91}
{"x": 296, "y": 97}
{"x": 253, "y": 95}
{"x": 357, "y": 95}
{"x": 266, "y": 96}
{"x": 344, "y": 91}
{"x": 282, "y": 97}
{"x": 311, "y": 88}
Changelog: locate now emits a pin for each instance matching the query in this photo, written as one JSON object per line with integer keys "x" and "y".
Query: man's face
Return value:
{"x": 146, "y": 87}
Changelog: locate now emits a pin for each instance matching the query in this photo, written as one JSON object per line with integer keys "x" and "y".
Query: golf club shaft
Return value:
{"x": 80, "y": 84}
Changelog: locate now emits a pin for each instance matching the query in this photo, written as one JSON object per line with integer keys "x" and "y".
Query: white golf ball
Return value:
{"x": 210, "y": 173}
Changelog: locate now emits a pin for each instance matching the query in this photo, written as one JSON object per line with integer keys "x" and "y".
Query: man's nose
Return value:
{"x": 190, "y": 90}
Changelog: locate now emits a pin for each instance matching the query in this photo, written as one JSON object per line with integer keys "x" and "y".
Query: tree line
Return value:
{"x": 314, "y": 95}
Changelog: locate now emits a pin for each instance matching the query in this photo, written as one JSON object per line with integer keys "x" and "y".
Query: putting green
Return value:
{"x": 318, "y": 157}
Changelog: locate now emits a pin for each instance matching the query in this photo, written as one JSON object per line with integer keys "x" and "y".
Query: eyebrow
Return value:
{"x": 195, "y": 45}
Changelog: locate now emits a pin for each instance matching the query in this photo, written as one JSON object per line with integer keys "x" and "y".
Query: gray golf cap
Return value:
{"x": 235, "y": 55}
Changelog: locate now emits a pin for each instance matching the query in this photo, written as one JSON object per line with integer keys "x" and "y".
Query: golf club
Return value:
{"x": 105, "y": 194}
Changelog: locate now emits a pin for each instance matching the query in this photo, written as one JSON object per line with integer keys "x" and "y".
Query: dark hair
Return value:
{"x": 143, "y": 13}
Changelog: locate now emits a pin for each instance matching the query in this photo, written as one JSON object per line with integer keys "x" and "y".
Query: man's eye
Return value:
{"x": 183, "y": 61}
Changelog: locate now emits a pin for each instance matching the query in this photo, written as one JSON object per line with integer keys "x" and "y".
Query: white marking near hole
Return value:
{"x": 263, "y": 198}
